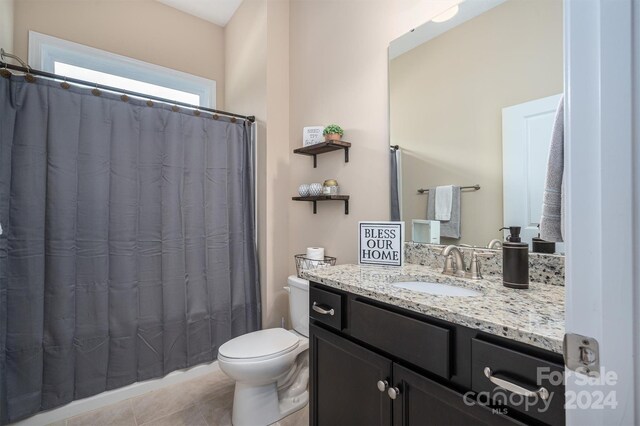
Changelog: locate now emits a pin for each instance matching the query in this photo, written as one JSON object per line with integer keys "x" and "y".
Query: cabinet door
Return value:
{"x": 421, "y": 401}
{"x": 344, "y": 379}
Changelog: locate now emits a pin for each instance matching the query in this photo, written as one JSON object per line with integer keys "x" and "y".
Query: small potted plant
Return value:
{"x": 333, "y": 132}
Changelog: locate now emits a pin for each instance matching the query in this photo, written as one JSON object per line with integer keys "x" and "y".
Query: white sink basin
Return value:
{"x": 437, "y": 289}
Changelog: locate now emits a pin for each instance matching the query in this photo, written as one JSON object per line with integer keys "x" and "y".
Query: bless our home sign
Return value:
{"x": 380, "y": 243}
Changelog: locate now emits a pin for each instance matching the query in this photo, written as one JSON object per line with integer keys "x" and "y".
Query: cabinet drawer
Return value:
{"x": 422, "y": 344}
{"x": 508, "y": 367}
{"x": 325, "y": 307}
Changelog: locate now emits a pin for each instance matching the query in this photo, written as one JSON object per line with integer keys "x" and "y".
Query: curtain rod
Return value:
{"x": 29, "y": 70}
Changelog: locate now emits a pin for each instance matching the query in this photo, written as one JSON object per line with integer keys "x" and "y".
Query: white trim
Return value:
{"x": 602, "y": 218}
{"x": 44, "y": 50}
{"x": 113, "y": 396}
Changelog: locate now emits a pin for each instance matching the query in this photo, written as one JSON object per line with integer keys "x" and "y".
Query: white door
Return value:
{"x": 602, "y": 217}
{"x": 526, "y": 136}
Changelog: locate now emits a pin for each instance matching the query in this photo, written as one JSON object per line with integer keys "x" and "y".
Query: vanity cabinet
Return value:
{"x": 345, "y": 377}
{"x": 421, "y": 401}
{"x": 377, "y": 364}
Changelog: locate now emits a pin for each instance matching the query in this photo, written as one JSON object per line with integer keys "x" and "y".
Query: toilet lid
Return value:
{"x": 259, "y": 344}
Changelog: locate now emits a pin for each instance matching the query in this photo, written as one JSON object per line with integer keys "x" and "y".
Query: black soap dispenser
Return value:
{"x": 515, "y": 260}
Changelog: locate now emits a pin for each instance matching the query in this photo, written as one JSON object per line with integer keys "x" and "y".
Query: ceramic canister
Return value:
{"x": 303, "y": 190}
{"x": 315, "y": 189}
{"x": 330, "y": 187}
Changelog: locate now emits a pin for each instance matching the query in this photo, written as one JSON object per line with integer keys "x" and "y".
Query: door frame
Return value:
{"x": 602, "y": 227}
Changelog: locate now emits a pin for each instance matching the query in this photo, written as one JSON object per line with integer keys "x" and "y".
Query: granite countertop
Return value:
{"x": 534, "y": 316}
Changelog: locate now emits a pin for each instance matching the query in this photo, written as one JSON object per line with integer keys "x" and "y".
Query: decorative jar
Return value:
{"x": 303, "y": 190}
{"x": 315, "y": 189}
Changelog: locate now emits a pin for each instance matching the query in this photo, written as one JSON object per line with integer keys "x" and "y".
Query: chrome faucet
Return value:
{"x": 495, "y": 244}
{"x": 454, "y": 261}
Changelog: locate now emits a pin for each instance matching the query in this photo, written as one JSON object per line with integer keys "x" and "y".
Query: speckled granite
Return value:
{"x": 543, "y": 268}
{"x": 534, "y": 316}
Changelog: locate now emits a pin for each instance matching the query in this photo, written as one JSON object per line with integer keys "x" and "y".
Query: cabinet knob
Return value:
{"x": 393, "y": 392}
{"x": 383, "y": 385}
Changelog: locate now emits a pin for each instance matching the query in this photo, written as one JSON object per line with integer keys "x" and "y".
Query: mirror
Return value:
{"x": 472, "y": 102}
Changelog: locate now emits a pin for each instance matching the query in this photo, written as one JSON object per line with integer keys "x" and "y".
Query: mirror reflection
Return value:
{"x": 472, "y": 104}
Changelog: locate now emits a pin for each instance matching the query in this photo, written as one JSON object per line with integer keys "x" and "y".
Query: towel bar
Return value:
{"x": 474, "y": 187}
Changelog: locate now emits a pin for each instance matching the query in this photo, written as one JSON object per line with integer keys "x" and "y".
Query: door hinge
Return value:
{"x": 582, "y": 354}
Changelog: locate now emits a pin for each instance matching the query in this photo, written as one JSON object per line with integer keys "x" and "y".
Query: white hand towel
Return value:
{"x": 444, "y": 199}
{"x": 450, "y": 228}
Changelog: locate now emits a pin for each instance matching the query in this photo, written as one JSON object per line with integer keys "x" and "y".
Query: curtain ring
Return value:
{"x": 149, "y": 103}
{"x": 124, "y": 98}
{"x": 96, "y": 91}
{"x": 64, "y": 84}
{"x": 196, "y": 113}
{"x": 4, "y": 72}
{"x": 215, "y": 116}
{"x": 175, "y": 108}
{"x": 233, "y": 119}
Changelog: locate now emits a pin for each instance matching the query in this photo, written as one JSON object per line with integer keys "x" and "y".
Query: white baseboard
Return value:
{"x": 111, "y": 397}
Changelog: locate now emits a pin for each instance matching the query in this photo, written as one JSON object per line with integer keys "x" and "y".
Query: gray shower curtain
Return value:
{"x": 394, "y": 186}
{"x": 127, "y": 248}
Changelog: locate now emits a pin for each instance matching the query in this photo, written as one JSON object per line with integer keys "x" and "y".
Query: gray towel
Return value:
{"x": 552, "y": 221}
{"x": 449, "y": 228}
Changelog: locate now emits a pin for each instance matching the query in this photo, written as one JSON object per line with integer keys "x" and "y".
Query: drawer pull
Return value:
{"x": 322, "y": 309}
{"x": 543, "y": 393}
{"x": 393, "y": 393}
{"x": 383, "y": 385}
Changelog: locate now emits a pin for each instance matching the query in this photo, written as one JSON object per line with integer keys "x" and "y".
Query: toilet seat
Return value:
{"x": 259, "y": 345}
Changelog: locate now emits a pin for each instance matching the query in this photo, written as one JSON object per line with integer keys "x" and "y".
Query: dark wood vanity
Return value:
{"x": 378, "y": 364}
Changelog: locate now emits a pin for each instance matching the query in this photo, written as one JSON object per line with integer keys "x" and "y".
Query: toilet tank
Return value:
{"x": 299, "y": 304}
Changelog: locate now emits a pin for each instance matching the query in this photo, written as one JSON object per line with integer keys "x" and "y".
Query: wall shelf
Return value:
{"x": 321, "y": 148}
{"x": 314, "y": 200}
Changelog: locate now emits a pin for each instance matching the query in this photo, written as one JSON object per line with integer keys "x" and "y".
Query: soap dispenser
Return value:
{"x": 515, "y": 260}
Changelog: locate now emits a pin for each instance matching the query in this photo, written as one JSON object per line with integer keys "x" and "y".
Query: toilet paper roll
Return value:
{"x": 315, "y": 253}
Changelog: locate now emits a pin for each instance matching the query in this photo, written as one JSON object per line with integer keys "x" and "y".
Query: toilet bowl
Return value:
{"x": 271, "y": 367}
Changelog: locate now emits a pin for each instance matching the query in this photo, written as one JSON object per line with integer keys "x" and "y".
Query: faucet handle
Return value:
{"x": 474, "y": 267}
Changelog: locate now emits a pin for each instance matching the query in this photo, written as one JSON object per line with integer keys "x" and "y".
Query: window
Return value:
{"x": 97, "y": 66}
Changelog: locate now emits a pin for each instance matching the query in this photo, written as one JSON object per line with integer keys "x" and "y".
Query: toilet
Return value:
{"x": 271, "y": 367}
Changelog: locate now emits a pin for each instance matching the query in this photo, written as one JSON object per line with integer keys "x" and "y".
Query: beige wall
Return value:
{"x": 140, "y": 29}
{"x": 278, "y": 161}
{"x": 246, "y": 93}
{"x": 257, "y": 70}
{"x": 447, "y": 97}
{"x": 339, "y": 75}
{"x": 6, "y": 25}
{"x": 292, "y": 64}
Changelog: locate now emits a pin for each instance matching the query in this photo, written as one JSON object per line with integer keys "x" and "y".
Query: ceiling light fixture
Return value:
{"x": 447, "y": 14}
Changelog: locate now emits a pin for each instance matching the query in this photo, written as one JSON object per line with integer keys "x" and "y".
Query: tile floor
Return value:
{"x": 203, "y": 401}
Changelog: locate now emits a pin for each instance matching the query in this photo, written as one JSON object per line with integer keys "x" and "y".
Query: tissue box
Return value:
{"x": 425, "y": 231}
{"x": 312, "y": 135}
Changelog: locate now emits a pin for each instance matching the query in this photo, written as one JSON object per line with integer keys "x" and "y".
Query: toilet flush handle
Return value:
{"x": 287, "y": 289}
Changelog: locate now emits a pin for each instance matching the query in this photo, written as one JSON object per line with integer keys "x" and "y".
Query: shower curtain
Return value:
{"x": 395, "y": 184}
{"x": 127, "y": 248}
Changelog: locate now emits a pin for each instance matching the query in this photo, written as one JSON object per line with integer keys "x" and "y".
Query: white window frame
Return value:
{"x": 45, "y": 50}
